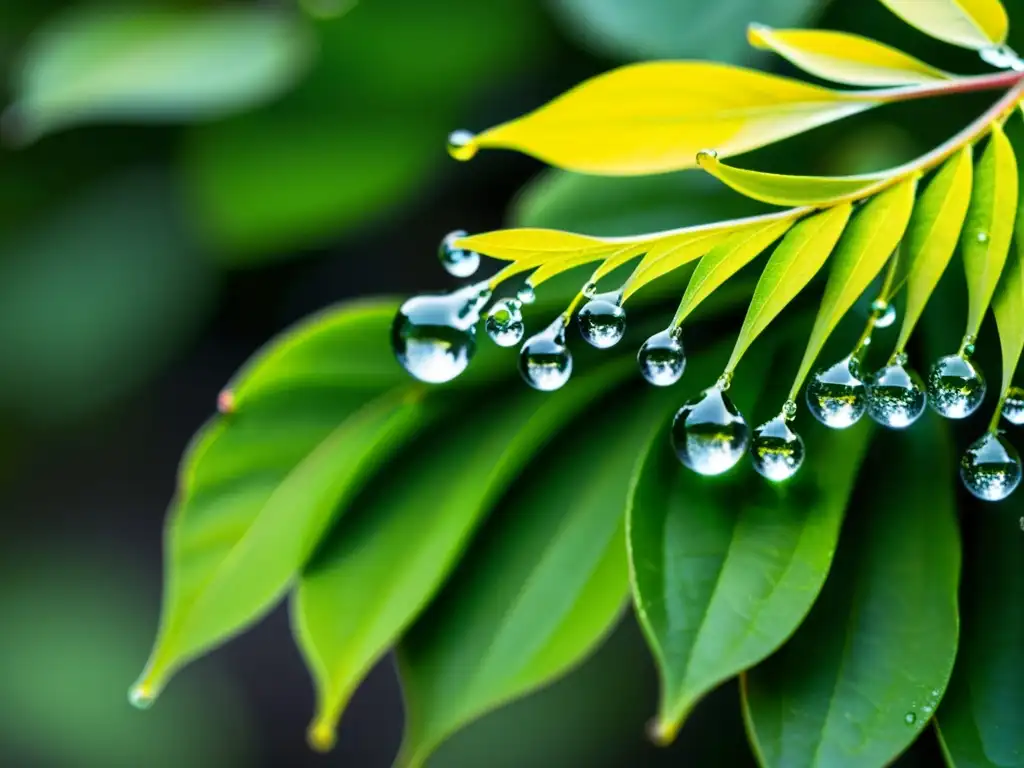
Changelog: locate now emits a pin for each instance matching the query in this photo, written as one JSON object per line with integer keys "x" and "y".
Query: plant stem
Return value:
{"x": 971, "y": 84}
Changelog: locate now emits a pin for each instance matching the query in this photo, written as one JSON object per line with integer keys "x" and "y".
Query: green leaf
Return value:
{"x": 981, "y": 720}
{"x": 542, "y": 586}
{"x": 969, "y": 23}
{"x": 378, "y": 570}
{"x": 146, "y": 64}
{"x": 861, "y": 677}
{"x": 794, "y": 263}
{"x": 990, "y": 218}
{"x": 1008, "y": 306}
{"x": 932, "y": 235}
{"x": 863, "y": 250}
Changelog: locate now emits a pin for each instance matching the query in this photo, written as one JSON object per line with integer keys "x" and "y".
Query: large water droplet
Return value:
{"x": 990, "y": 468}
{"x": 776, "y": 450}
{"x": 884, "y": 312}
{"x": 896, "y": 396}
{"x": 434, "y": 337}
{"x": 462, "y": 145}
{"x": 836, "y": 396}
{"x": 662, "y": 359}
{"x": 544, "y": 360}
{"x": 955, "y": 387}
{"x": 1013, "y": 406}
{"x": 457, "y": 261}
{"x": 709, "y": 434}
{"x": 504, "y": 323}
{"x": 602, "y": 321}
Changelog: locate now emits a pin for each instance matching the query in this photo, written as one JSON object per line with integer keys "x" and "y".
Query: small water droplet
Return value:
{"x": 504, "y": 323}
{"x": 321, "y": 737}
{"x": 706, "y": 154}
{"x": 926, "y": 709}
{"x": 544, "y": 361}
{"x": 226, "y": 401}
{"x": 1013, "y": 406}
{"x": 936, "y": 693}
{"x": 981, "y": 237}
{"x": 456, "y": 261}
{"x": 602, "y": 321}
{"x": 955, "y": 387}
{"x": 662, "y": 359}
{"x": 910, "y": 718}
{"x": 526, "y": 294}
{"x": 776, "y": 450}
{"x": 462, "y": 145}
{"x": 836, "y": 396}
{"x": 990, "y": 468}
{"x": 434, "y": 337}
{"x": 708, "y": 433}
{"x": 884, "y": 313}
{"x": 724, "y": 381}
{"x": 789, "y": 410}
{"x": 1001, "y": 57}
{"x": 589, "y": 290}
{"x": 896, "y": 396}
{"x": 141, "y": 696}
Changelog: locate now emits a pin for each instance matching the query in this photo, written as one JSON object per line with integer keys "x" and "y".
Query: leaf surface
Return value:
{"x": 967, "y": 23}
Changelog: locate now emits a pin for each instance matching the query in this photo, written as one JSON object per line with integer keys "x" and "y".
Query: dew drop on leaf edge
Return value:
{"x": 662, "y": 359}
{"x": 457, "y": 262}
{"x": 462, "y": 145}
{"x": 884, "y": 312}
{"x": 709, "y": 434}
{"x": 896, "y": 396}
{"x": 990, "y": 467}
{"x": 956, "y": 387}
{"x": 602, "y": 321}
{"x": 776, "y": 450}
{"x": 836, "y": 396}
{"x": 504, "y": 323}
{"x": 545, "y": 363}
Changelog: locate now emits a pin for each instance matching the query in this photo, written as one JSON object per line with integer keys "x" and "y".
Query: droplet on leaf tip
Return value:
{"x": 706, "y": 154}
{"x": 504, "y": 324}
{"x": 141, "y": 696}
{"x": 956, "y": 387}
{"x": 321, "y": 737}
{"x": 457, "y": 262}
{"x": 602, "y": 321}
{"x": 836, "y": 396}
{"x": 990, "y": 467}
{"x": 776, "y": 450}
{"x": 1013, "y": 406}
{"x": 709, "y": 434}
{"x": 896, "y": 396}
{"x": 662, "y": 359}
{"x": 462, "y": 145}
{"x": 545, "y": 363}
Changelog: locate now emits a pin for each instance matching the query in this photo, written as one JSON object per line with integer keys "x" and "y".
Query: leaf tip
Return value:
{"x": 321, "y": 736}
{"x": 462, "y": 145}
{"x": 143, "y": 694}
{"x": 707, "y": 158}
{"x": 662, "y": 733}
{"x": 756, "y": 33}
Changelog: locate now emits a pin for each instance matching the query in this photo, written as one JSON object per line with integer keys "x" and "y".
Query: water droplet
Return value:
{"x": 456, "y": 261}
{"x": 602, "y": 321}
{"x": 462, "y": 145}
{"x": 321, "y": 737}
{"x": 662, "y": 359}
{"x": 1001, "y": 57}
{"x": 706, "y": 154}
{"x": 789, "y": 410}
{"x": 981, "y": 237}
{"x": 990, "y": 468}
{"x": 955, "y": 387}
{"x": 141, "y": 696}
{"x": 434, "y": 337}
{"x": 526, "y": 294}
{"x": 226, "y": 401}
{"x": 589, "y": 290}
{"x": 544, "y": 360}
{"x": 936, "y": 693}
{"x": 926, "y": 709}
{"x": 504, "y": 323}
{"x": 910, "y": 718}
{"x": 836, "y": 396}
{"x": 776, "y": 450}
{"x": 896, "y": 396}
{"x": 724, "y": 381}
{"x": 708, "y": 433}
{"x": 1013, "y": 406}
{"x": 884, "y": 312}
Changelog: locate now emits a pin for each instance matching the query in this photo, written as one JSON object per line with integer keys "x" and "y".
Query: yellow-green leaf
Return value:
{"x": 515, "y": 244}
{"x": 782, "y": 189}
{"x": 665, "y": 257}
{"x": 1008, "y": 306}
{"x": 796, "y": 261}
{"x": 967, "y": 23}
{"x": 932, "y": 235}
{"x": 844, "y": 58}
{"x": 989, "y": 228}
{"x": 865, "y": 247}
{"x": 655, "y": 116}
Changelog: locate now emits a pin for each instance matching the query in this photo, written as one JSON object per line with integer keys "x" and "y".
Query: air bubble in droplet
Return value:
{"x": 462, "y": 145}
{"x": 457, "y": 262}
{"x": 434, "y": 337}
{"x": 708, "y": 433}
{"x": 884, "y": 312}
{"x": 990, "y": 468}
{"x": 836, "y": 396}
{"x": 955, "y": 387}
{"x": 1013, "y": 406}
{"x": 504, "y": 323}
{"x": 544, "y": 361}
{"x": 526, "y": 294}
{"x": 776, "y": 450}
{"x": 662, "y": 359}
{"x": 896, "y": 396}
{"x": 602, "y": 321}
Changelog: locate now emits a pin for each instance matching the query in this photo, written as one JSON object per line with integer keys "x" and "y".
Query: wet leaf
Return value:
{"x": 862, "y": 676}
{"x": 1008, "y": 307}
{"x": 967, "y": 23}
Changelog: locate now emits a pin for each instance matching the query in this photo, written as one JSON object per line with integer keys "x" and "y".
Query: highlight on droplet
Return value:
{"x": 462, "y": 145}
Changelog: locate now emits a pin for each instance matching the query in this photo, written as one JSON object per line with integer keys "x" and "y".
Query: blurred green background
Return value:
{"x": 179, "y": 181}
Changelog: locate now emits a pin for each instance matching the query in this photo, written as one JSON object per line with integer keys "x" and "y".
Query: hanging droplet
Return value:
{"x": 836, "y": 396}
{"x": 662, "y": 359}
{"x": 544, "y": 361}
{"x": 708, "y": 433}
{"x": 1013, "y": 406}
{"x": 789, "y": 410}
{"x": 589, "y": 290}
{"x": 955, "y": 387}
{"x": 526, "y": 294}
{"x": 896, "y": 396}
{"x": 990, "y": 468}
{"x": 140, "y": 696}
{"x": 776, "y": 450}
{"x": 434, "y": 337}
{"x": 602, "y": 321}
{"x": 504, "y": 323}
{"x": 884, "y": 312}
{"x": 462, "y": 145}
{"x": 457, "y": 261}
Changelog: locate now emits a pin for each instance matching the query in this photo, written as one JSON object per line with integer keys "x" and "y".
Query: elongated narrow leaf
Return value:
{"x": 667, "y": 256}
{"x": 844, "y": 58}
{"x": 981, "y": 720}
{"x": 148, "y": 64}
{"x": 862, "y": 676}
{"x": 655, "y": 117}
{"x": 723, "y": 572}
{"x": 796, "y": 260}
{"x": 932, "y": 235}
{"x": 989, "y": 226}
{"x": 543, "y": 585}
{"x": 378, "y": 570}
{"x": 781, "y": 189}
{"x": 1008, "y": 307}
{"x": 865, "y": 247}
{"x": 967, "y": 23}
{"x": 726, "y": 260}
{"x": 514, "y": 244}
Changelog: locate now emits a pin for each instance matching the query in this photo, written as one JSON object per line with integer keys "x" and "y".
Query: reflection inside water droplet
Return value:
{"x": 776, "y": 450}
{"x": 602, "y": 321}
{"x": 836, "y": 396}
{"x": 896, "y": 396}
{"x": 544, "y": 361}
{"x": 504, "y": 324}
{"x": 457, "y": 261}
{"x": 709, "y": 434}
{"x": 662, "y": 359}
{"x": 955, "y": 387}
{"x": 1013, "y": 406}
{"x": 990, "y": 468}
